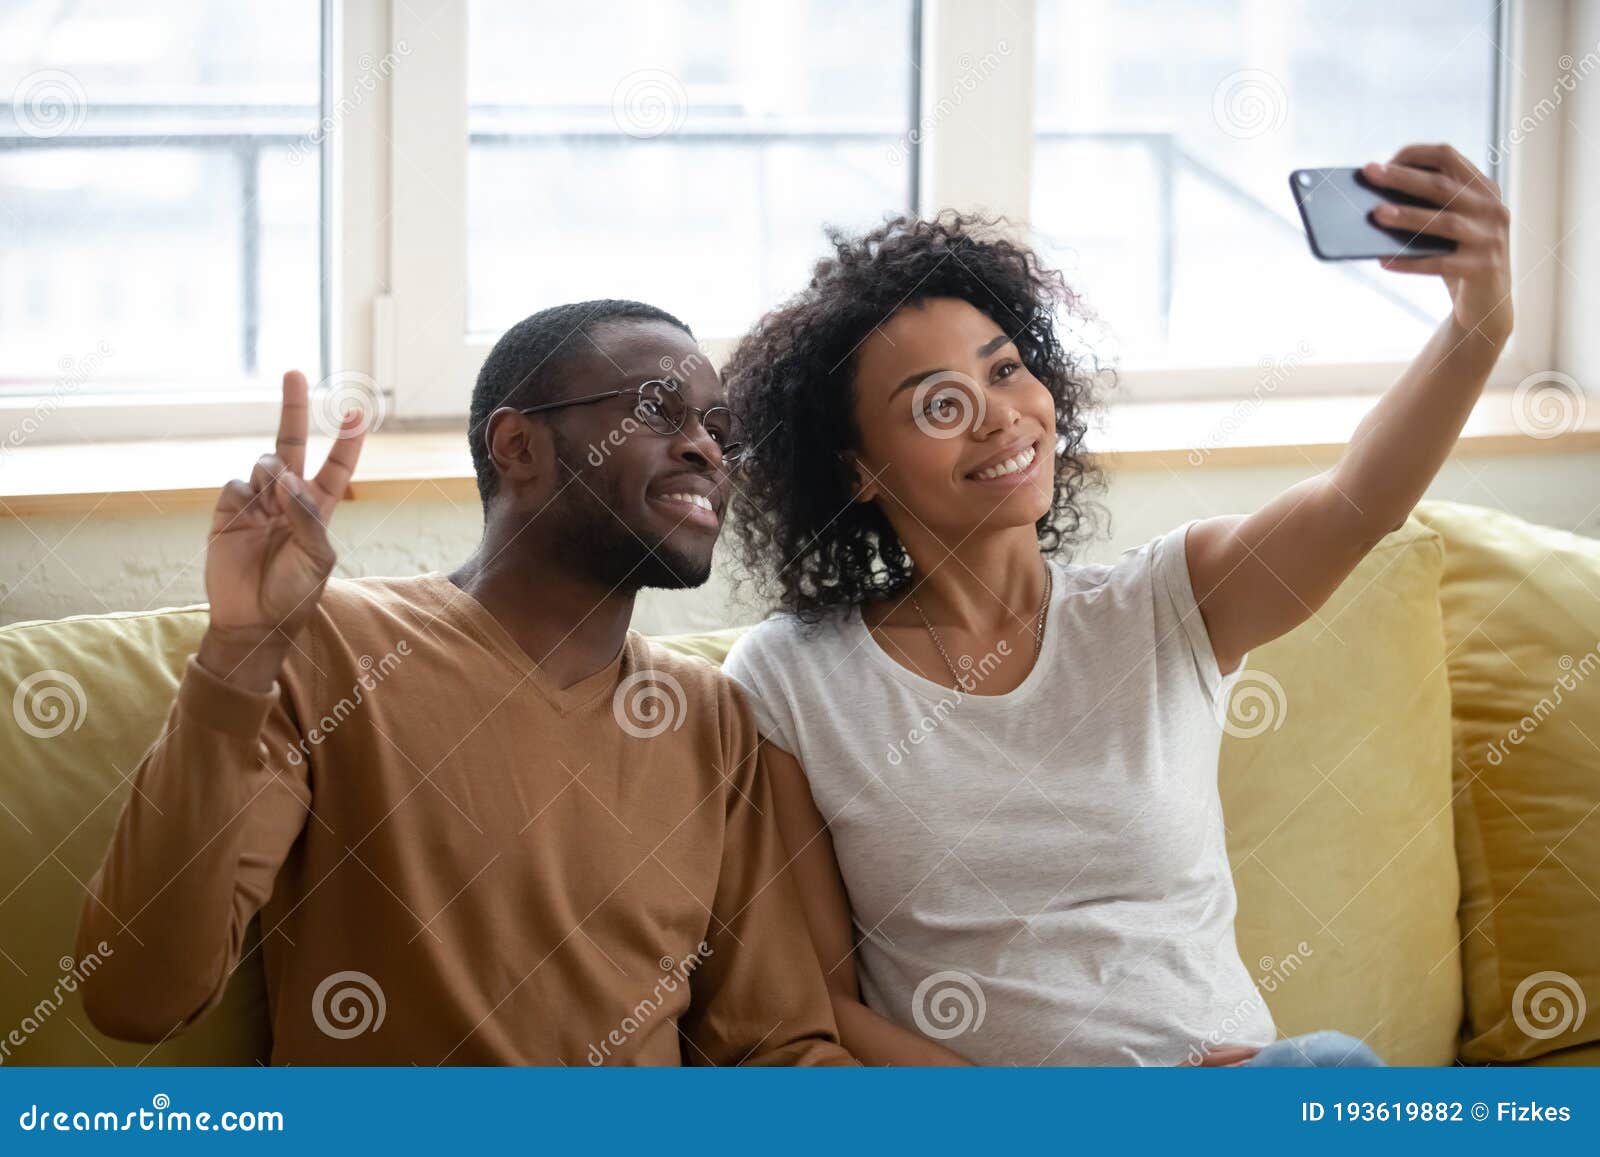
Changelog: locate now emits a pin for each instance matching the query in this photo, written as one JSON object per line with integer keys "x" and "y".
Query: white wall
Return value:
{"x": 50, "y": 567}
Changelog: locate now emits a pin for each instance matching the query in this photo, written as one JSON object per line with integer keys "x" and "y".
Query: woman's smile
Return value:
{"x": 1010, "y": 467}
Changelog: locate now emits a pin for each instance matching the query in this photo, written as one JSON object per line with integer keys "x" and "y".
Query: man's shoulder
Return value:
{"x": 355, "y": 605}
{"x": 358, "y": 617}
{"x": 696, "y": 673}
{"x": 663, "y": 690}
{"x": 382, "y": 590}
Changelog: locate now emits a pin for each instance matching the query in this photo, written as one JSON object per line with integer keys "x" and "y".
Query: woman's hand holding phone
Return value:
{"x": 1471, "y": 213}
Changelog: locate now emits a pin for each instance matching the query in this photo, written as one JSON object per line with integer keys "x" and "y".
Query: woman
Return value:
{"x": 1010, "y": 761}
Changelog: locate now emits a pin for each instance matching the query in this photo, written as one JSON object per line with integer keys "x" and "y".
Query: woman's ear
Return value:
{"x": 863, "y": 486}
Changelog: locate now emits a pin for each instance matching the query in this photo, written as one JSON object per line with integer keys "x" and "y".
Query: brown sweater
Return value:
{"x": 428, "y": 826}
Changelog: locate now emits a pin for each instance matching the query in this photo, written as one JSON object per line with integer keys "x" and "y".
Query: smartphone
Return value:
{"x": 1336, "y": 206}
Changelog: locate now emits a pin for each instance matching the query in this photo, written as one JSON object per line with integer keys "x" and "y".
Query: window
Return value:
{"x": 682, "y": 152}
{"x": 160, "y": 193}
{"x": 1165, "y": 133}
{"x": 374, "y": 190}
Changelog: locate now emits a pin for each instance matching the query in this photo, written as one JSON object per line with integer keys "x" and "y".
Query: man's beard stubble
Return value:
{"x": 594, "y": 537}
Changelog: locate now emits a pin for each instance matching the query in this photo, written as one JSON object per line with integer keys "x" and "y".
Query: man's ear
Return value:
{"x": 521, "y": 448}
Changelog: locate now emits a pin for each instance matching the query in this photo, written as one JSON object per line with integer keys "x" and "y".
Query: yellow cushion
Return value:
{"x": 1335, "y": 778}
{"x": 94, "y": 694}
{"x": 1522, "y": 619}
{"x": 713, "y": 646}
{"x": 1585, "y": 1056}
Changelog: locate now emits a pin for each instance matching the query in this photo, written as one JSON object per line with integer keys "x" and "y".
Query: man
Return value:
{"x": 482, "y": 822}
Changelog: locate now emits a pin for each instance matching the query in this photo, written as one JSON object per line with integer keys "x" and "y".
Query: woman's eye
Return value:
{"x": 1006, "y": 369}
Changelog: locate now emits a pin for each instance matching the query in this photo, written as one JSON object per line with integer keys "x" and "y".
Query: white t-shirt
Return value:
{"x": 1039, "y": 877}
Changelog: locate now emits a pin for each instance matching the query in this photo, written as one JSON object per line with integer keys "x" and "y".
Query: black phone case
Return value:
{"x": 1406, "y": 243}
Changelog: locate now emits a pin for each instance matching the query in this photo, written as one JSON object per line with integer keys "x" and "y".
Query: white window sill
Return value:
{"x": 398, "y": 465}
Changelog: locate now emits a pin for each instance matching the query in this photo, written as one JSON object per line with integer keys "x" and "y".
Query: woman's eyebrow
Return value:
{"x": 912, "y": 380}
{"x": 987, "y": 348}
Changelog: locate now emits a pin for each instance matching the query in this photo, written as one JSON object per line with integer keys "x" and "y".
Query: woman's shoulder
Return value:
{"x": 783, "y": 639}
{"x": 1134, "y": 565}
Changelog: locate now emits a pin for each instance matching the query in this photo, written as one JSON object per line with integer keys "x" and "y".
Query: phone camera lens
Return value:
{"x": 1305, "y": 180}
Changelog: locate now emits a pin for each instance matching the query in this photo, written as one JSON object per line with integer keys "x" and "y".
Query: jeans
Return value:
{"x": 1317, "y": 1050}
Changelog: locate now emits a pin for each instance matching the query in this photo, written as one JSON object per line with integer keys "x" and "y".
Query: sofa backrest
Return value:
{"x": 1335, "y": 776}
{"x": 88, "y": 695}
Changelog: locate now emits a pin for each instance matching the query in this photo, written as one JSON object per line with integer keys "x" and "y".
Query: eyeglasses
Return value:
{"x": 663, "y": 408}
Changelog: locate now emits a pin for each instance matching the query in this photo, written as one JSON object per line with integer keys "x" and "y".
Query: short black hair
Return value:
{"x": 528, "y": 362}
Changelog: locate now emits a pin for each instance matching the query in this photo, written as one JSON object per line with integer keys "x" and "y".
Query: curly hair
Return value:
{"x": 799, "y": 535}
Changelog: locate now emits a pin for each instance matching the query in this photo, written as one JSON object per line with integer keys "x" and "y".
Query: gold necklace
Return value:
{"x": 1038, "y": 633}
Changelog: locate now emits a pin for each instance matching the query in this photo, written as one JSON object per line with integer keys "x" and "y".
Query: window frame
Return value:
{"x": 424, "y": 325}
{"x": 1529, "y": 181}
{"x": 235, "y": 405}
{"x": 394, "y": 216}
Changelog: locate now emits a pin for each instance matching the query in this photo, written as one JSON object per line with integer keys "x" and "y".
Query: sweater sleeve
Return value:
{"x": 758, "y": 996}
{"x": 217, "y": 802}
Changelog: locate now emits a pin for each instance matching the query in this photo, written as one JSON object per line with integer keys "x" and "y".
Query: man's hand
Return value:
{"x": 267, "y": 555}
{"x": 1478, "y": 273}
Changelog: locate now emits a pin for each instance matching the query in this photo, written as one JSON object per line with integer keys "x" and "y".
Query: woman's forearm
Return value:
{"x": 1406, "y": 437}
{"x": 1260, "y": 575}
{"x": 874, "y": 1039}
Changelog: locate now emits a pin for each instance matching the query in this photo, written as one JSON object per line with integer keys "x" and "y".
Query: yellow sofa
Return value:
{"x": 1411, "y": 784}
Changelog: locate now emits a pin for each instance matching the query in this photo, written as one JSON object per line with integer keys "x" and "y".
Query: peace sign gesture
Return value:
{"x": 267, "y": 555}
